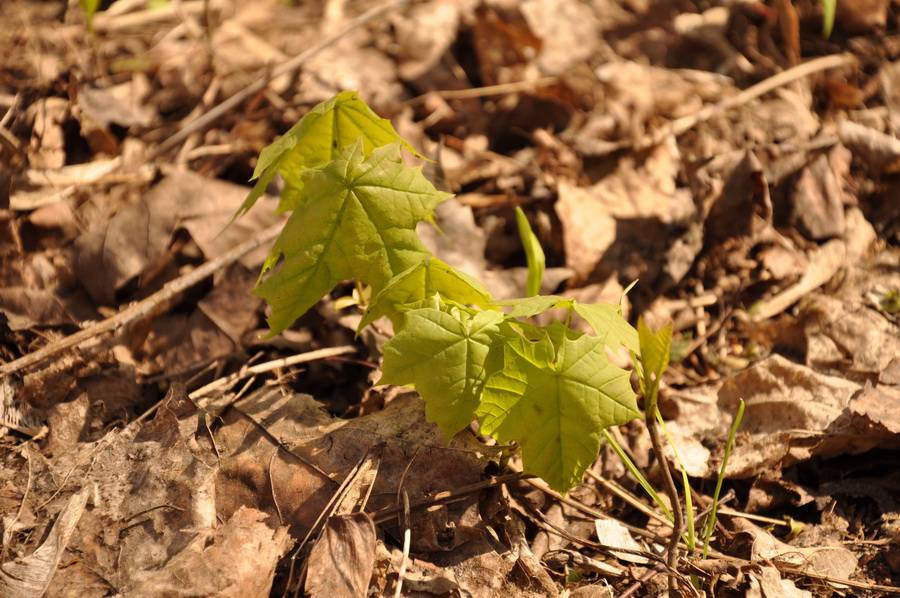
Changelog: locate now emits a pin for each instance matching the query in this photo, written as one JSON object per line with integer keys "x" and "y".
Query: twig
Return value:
{"x": 143, "y": 308}
{"x": 269, "y": 366}
{"x": 672, "y": 491}
{"x": 615, "y": 488}
{"x": 480, "y": 92}
{"x": 261, "y": 83}
{"x": 541, "y": 520}
{"x": 407, "y": 536}
{"x": 540, "y": 485}
{"x": 685, "y": 123}
{"x": 638, "y": 583}
{"x": 389, "y": 513}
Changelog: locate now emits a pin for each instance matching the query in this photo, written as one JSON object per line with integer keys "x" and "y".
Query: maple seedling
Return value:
{"x": 354, "y": 209}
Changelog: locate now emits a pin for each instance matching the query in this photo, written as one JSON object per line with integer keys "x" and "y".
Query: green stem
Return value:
{"x": 711, "y": 522}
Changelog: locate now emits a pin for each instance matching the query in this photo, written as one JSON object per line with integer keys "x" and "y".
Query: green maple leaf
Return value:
{"x": 429, "y": 277}
{"x": 605, "y": 318}
{"x": 554, "y": 400}
{"x": 532, "y": 306}
{"x": 447, "y": 359}
{"x": 356, "y": 219}
{"x": 609, "y": 325}
{"x": 317, "y": 138}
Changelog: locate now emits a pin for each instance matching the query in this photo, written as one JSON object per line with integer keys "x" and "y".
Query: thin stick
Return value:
{"x": 143, "y": 308}
{"x": 615, "y": 488}
{"x": 446, "y": 496}
{"x": 251, "y": 371}
{"x": 480, "y": 92}
{"x": 269, "y": 366}
{"x": 262, "y": 82}
{"x": 685, "y": 123}
{"x": 672, "y": 491}
{"x": 407, "y": 537}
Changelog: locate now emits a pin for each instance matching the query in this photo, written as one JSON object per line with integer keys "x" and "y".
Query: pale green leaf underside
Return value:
{"x": 556, "y": 411}
{"x": 357, "y": 219}
{"x": 317, "y": 138}
{"x": 606, "y": 320}
{"x": 421, "y": 282}
{"x": 446, "y": 361}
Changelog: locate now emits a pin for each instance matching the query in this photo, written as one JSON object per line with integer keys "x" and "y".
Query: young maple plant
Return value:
{"x": 354, "y": 210}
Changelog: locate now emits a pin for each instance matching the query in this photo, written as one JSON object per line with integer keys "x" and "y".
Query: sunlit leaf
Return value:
{"x": 532, "y": 306}
{"x": 554, "y": 401}
{"x": 320, "y": 136}
{"x": 447, "y": 361}
{"x": 609, "y": 325}
{"x": 605, "y": 318}
{"x": 357, "y": 219}
{"x": 420, "y": 282}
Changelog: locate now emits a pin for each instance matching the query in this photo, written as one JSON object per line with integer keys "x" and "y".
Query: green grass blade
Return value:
{"x": 533, "y": 252}
{"x": 690, "y": 537}
{"x": 711, "y": 522}
{"x": 629, "y": 464}
{"x": 828, "y": 9}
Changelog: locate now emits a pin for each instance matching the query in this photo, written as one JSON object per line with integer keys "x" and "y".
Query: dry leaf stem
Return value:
{"x": 684, "y": 124}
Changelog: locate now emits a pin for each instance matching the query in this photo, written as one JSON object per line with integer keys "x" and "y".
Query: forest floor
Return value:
{"x": 736, "y": 162}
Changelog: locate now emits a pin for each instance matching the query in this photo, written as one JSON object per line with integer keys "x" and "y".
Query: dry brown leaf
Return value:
{"x": 135, "y": 240}
{"x": 877, "y": 150}
{"x": 460, "y": 242}
{"x": 68, "y": 423}
{"x": 793, "y": 413}
{"x": 28, "y": 308}
{"x": 824, "y": 263}
{"x": 568, "y": 31}
{"x": 46, "y": 151}
{"x": 639, "y": 197}
{"x": 30, "y": 576}
{"x": 341, "y": 562}
{"x": 861, "y": 16}
{"x": 768, "y": 583}
{"x": 236, "y": 560}
{"x": 818, "y": 200}
{"x": 743, "y": 201}
{"x": 424, "y": 35}
{"x": 588, "y": 229}
{"x": 124, "y": 104}
{"x": 834, "y": 561}
{"x": 847, "y": 336}
{"x": 294, "y": 488}
{"x": 612, "y": 533}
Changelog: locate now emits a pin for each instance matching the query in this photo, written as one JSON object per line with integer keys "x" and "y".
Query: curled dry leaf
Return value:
{"x": 834, "y": 561}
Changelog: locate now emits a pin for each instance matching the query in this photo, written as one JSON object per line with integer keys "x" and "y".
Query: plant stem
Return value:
{"x": 671, "y": 490}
